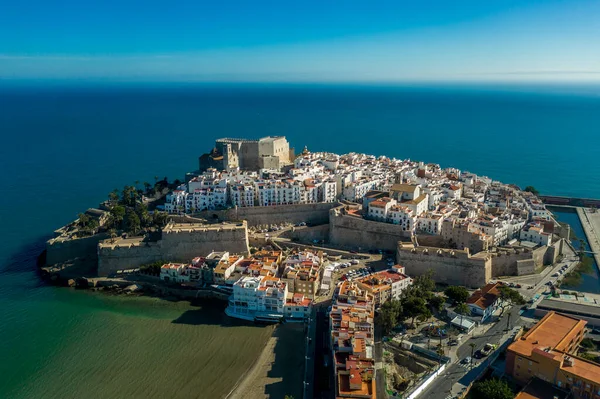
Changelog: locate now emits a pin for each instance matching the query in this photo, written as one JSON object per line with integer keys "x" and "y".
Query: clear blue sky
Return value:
{"x": 306, "y": 40}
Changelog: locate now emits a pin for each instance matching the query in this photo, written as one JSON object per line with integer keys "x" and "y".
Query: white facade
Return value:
{"x": 534, "y": 232}
{"x": 257, "y": 296}
{"x": 242, "y": 195}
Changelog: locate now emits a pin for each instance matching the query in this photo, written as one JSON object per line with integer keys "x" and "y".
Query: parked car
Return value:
{"x": 487, "y": 349}
{"x": 354, "y": 262}
{"x": 466, "y": 360}
{"x": 452, "y": 342}
{"x": 555, "y": 275}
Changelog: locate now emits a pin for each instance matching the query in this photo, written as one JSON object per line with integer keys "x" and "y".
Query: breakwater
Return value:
{"x": 570, "y": 201}
{"x": 588, "y": 221}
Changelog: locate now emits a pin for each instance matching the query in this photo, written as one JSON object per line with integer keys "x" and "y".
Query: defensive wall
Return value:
{"x": 179, "y": 243}
{"x": 349, "y": 231}
{"x": 62, "y": 249}
{"x": 307, "y": 234}
{"x": 449, "y": 266}
{"x": 459, "y": 267}
{"x": 277, "y": 214}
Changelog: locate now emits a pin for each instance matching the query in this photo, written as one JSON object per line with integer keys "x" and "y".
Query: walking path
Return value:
{"x": 591, "y": 226}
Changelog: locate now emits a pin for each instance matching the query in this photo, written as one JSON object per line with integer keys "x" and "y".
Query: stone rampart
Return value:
{"x": 266, "y": 215}
{"x": 308, "y": 234}
{"x": 449, "y": 266}
{"x": 61, "y": 249}
{"x": 179, "y": 243}
{"x": 353, "y": 231}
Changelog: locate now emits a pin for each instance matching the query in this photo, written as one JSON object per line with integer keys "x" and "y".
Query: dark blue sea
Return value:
{"x": 64, "y": 147}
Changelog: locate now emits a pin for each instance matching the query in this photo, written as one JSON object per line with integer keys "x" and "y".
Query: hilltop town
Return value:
{"x": 325, "y": 238}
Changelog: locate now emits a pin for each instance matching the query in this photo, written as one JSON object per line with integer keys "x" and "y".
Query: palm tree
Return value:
{"x": 462, "y": 309}
{"x": 472, "y": 345}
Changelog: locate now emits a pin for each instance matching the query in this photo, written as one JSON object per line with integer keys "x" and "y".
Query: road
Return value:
{"x": 456, "y": 372}
{"x": 442, "y": 386}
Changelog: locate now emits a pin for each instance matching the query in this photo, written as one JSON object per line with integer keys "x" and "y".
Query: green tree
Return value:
{"x": 117, "y": 214}
{"x": 288, "y": 397}
{"x": 508, "y": 299}
{"x": 423, "y": 286}
{"x": 141, "y": 211}
{"x": 457, "y": 294}
{"x": 83, "y": 221}
{"x": 532, "y": 190}
{"x": 132, "y": 222}
{"x": 436, "y": 303}
{"x": 388, "y": 315}
{"x": 491, "y": 389}
{"x": 159, "y": 219}
{"x": 147, "y": 187}
{"x": 113, "y": 197}
{"x": 413, "y": 307}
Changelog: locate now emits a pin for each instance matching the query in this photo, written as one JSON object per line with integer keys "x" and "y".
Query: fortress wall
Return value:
{"x": 351, "y": 232}
{"x": 308, "y": 234}
{"x": 452, "y": 267}
{"x": 59, "y": 250}
{"x": 123, "y": 256}
{"x": 430, "y": 240}
{"x": 525, "y": 266}
{"x": 182, "y": 246}
{"x": 263, "y": 215}
{"x": 176, "y": 246}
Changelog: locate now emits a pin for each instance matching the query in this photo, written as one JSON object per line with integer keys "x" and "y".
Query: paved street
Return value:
{"x": 442, "y": 386}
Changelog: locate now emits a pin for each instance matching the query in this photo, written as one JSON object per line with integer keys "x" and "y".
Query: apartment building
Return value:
{"x": 548, "y": 352}
{"x": 386, "y": 284}
{"x": 258, "y": 298}
{"x": 351, "y": 323}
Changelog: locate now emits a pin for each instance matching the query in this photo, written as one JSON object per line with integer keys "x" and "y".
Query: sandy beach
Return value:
{"x": 279, "y": 369}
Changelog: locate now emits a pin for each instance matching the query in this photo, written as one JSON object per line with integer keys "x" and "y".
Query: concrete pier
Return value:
{"x": 591, "y": 226}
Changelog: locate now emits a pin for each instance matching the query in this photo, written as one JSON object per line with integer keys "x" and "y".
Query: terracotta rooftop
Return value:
{"x": 553, "y": 331}
{"x": 486, "y": 296}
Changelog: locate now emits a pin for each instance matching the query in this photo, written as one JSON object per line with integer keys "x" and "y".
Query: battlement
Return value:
{"x": 187, "y": 228}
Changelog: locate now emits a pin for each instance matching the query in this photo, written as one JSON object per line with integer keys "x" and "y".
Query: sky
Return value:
{"x": 300, "y": 41}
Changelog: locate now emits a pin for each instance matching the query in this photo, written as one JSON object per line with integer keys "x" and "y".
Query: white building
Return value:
{"x": 402, "y": 216}
{"x": 534, "y": 232}
{"x": 258, "y": 298}
{"x": 242, "y": 195}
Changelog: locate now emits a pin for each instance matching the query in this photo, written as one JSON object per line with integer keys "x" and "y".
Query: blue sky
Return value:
{"x": 300, "y": 40}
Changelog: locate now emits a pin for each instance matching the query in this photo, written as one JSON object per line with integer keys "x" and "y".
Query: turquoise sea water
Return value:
{"x": 64, "y": 148}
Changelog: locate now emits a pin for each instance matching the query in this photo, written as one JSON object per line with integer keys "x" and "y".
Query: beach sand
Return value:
{"x": 279, "y": 369}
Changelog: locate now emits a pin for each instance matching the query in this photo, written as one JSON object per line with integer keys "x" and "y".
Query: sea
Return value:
{"x": 65, "y": 146}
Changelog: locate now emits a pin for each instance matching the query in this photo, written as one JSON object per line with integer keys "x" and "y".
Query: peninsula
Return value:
{"x": 321, "y": 239}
